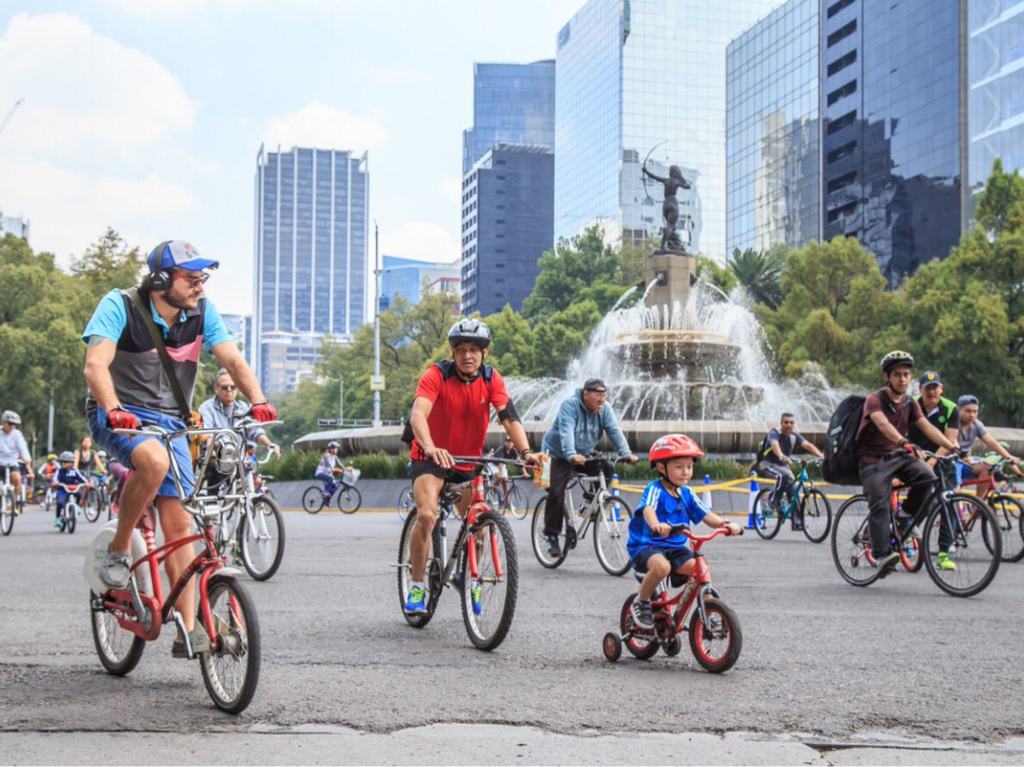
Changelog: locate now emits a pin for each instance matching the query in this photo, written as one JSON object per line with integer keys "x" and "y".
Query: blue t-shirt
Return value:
{"x": 682, "y": 510}
{"x": 70, "y": 477}
{"x": 110, "y": 318}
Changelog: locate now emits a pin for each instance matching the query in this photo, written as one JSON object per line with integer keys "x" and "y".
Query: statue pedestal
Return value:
{"x": 675, "y": 274}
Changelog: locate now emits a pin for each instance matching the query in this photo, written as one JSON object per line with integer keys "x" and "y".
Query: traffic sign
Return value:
{"x": 376, "y": 383}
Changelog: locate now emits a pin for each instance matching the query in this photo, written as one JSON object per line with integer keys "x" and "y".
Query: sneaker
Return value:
{"x": 56, "y": 524}
{"x": 199, "y": 640}
{"x": 474, "y": 597}
{"x": 886, "y": 564}
{"x": 643, "y": 616}
{"x": 554, "y": 549}
{"x": 798, "y": 524}
{"x": 944, "y": 562}
{"x": 116, "y": 569}
{"x": 416, "y": 602}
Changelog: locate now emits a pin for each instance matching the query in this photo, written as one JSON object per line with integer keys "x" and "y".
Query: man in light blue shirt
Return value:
{"x": 14, "y": 450}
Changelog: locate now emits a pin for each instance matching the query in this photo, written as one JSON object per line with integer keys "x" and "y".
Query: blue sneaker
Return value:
{"x": 57, "y": 524}
{"x": 474, "y": 597}
{"x": 416, "y": 602}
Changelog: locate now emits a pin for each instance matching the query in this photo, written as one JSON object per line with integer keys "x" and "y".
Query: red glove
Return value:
{"x": 263, "y": 412}
{"x": 122, "y": 419}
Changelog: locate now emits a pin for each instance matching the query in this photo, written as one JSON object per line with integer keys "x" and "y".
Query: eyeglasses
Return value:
{"x": 227, "y": 387}
{"x": 193, "y": 282}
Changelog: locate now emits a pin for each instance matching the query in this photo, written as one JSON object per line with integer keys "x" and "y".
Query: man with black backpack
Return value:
{"x": 885, "y": 454}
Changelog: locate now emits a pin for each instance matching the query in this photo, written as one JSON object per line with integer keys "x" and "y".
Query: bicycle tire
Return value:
{"x": 767, "y": 518}
{"x": 731, "y": 632}
{"x": 266, "y": 506}
{"x": 91, "y": 507}
{"x": 433, "y": 574}
{"x": 611, "y": 531}
{"x": 814, "y": 530}
{"x": 641, "y": 646}
{"x": 238, "y": 639}
{"x": 974, "y": 570}
{"x": 7, "y": 513}
{"x": 406, "y": 503}
{"x": 540, "y": 542}
{"x": 489, "y": 636}
{"x": 104, "y": 629}
{"x": 517, "y": 502}
{"x": 70, "y": 519}
{"x": 910, "y": 553}
{"x": 1008, "y": 513}
{"x": 349, "y": 499}
{"x": 313, "y": 499}
{"x": 851, "y": 551}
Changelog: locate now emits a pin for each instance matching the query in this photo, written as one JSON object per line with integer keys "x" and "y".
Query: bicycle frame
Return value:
{"x": 798, "y": 490}
{"x": 478, "y": 505}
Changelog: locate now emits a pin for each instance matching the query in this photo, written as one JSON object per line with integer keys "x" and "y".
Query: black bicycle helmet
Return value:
{"x": 470, "y": 330}
{"x": 896, "y": 358}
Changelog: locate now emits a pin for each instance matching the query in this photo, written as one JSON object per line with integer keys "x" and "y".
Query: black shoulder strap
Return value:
{"x": 161, "y": 349}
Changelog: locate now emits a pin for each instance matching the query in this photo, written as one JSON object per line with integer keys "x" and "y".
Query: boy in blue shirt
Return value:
{"x": 67, "y": 474}
{"x": 665, "y": 503}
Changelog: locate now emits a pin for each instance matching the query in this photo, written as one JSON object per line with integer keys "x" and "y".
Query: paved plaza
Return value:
{"x": 829, "y": 674}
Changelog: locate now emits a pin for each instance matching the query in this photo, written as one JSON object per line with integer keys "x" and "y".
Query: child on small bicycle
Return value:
{"x": 67, "y": 474}
{"x": 666, "y": 503}
{"x": 328, "y": 468}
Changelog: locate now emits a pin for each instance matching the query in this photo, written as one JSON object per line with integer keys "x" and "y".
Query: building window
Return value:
{"x": 842, "y": 62}
{"x": 842, "y": 33}
{"x": 840, "y": 152}
{"x": 834, "y": 126}
{"x": 843, "y": 210}
{"x": 837, "y": 7}
{"x": 841, "y": 92}
{"x": 842, "y": 181}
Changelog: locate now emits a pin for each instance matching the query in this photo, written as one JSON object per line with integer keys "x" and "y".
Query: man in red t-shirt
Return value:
{"x": 450, "y": 414}
{"x": 886, "y": 453}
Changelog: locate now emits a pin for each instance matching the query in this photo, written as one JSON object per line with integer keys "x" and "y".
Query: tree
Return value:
{"x": 760, "y": 273}
{"x": 572, "y": 266}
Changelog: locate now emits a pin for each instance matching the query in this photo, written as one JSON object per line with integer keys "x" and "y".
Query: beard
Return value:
{"x": 180, "y": 302}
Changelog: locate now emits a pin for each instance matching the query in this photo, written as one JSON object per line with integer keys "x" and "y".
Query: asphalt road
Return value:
{"x": 899, "y": 670}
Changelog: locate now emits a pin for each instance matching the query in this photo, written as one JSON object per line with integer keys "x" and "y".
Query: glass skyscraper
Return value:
{"x": 639, "y": 78}
{"x": 772, "y": 131}
{"x": 311, "y": 257}
{"x": 512, "y": 104}
{"x": 996, "y": 87}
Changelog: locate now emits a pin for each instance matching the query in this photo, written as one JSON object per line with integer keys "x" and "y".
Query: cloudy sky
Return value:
{"x": 146, "y": 115}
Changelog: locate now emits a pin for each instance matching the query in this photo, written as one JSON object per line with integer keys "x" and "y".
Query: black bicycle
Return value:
{"x": 974, "y": 545}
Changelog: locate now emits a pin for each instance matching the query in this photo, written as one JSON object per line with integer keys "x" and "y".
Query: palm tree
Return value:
{"x": 760, "y": 273}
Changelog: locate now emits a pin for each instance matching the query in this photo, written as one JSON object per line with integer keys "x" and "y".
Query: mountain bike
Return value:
{"x": 8, "y": 503}
{"x": 608, "y": 514}
{"x": 68, "y": 519}
{"x": 974, "y": 545}
{"x": 815, "y": 510}
{"x": 348, "y": 497}
{"x": 713, "y": 628}
{"x": 98, "y": 499}
{"x": 482, "y": 565}
{"x": 123, "y": 620}
{"x": 406, "y": 503}
{"x": 1008, "y": 510}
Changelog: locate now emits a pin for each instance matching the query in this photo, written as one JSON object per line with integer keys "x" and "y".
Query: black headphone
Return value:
{"x": 159, "y": 280}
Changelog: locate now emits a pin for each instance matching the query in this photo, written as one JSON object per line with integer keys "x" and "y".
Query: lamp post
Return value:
{"x": 376, "y": 322}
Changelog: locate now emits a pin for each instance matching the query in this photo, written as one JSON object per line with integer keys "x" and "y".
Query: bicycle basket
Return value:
{"x": 350, "y": 475}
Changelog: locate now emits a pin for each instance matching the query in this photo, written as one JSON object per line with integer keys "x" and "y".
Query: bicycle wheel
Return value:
{"x": 231, "y": 670}
{"x": 1008, "y": 519}
{"x": 433, "y": 574}
{"x": 261, "y": 538}
{"x": 817, "y": 513}
{"x": 406, "y": 503}
{"x": 910, "y": 554}
{"x": 490, "y": 601}
{"x": 611, "y": 531}
{"x": 851, "y": 546}
{"x": 717, "y": 645}
{"x": 539, "y": 541}
{"x": 119, "y": 649}
{"x": 642, "y": 646}
{"x": 70, "y": 517}
{"x": 349, "y": 499}
{"x": 976, "y": 561}
{"x": 6, "y": 513}
{"x": 517, "y": 503}
{"x": 313, "y": 499}
{"x": 91, "y": 507}
{"x": 767, "y": 518}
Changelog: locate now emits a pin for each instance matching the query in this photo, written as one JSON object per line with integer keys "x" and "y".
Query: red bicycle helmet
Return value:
{"x": 674, "y": 446}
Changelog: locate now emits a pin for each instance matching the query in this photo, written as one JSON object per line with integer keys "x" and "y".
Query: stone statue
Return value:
{"x": 670, "y": 242}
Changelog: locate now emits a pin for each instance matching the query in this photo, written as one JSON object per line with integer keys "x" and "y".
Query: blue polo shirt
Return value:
{"x": 110, "y": 319}
{"x": 683, "y": 509}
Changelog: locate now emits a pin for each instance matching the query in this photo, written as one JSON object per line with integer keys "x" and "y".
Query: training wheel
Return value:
{"x": 612, "y": 646}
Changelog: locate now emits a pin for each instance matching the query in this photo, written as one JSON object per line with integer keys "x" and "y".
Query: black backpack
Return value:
{"x": 840, "y": 465}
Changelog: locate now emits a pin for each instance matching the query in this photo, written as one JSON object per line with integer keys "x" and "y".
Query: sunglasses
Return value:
{"x": 227, "y": 387}
{"x": 193, "y": 282}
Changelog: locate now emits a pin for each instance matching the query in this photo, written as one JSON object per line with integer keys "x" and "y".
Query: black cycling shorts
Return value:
{"x": 451, "y": 476}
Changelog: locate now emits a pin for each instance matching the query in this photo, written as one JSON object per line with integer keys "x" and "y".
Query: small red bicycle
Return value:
{"x": 714, "y": 629}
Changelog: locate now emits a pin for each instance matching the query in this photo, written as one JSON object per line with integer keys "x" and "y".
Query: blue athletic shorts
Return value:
{"x": 675, "y": 557}
{"x": 120, "y": 446}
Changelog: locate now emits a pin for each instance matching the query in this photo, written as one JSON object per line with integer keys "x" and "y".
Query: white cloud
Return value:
{"x": 451, "y": 189}
{"x": 423, "y": 240}
{"x": 323, "y": 126}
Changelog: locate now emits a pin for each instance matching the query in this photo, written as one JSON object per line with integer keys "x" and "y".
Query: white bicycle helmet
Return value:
{"x": 10, "y": 416}
{"x": 469, "y": 330}
{"x": 66, "y": 457}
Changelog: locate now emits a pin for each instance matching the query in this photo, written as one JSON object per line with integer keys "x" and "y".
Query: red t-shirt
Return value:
{"x": 872, "y": 444}
{"x": 462, "y": 411}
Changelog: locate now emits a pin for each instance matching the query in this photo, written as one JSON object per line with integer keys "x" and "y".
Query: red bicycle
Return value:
{"x": 123, "y": 620}
{"x": 1009, "y": 512}
{"x": 713, "y": 628}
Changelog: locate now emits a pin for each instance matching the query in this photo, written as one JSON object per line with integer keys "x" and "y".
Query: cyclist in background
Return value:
{"x": 49, "y": 468}
{"x": 970, "y": 430}
{"x": 508, "y": 452}
{"x": 450, "y": 415}
{"x": 14, "y": 451}
{"x": 87, "y": 461}
{"x": 941, "y": 413}
{"x": 328, "y": 468}
{"x": 774, "y": 457}
{"x": 67, "y": 474}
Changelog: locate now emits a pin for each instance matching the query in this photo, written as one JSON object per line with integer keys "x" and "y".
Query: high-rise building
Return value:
{"x": 412, "y": 279}
{"x": 19, "y": 227}
{"x": 507, "y": 223}
{"x": 311, "y": 236}
{"x": 995, "y": 54}
{"x": 240, "y": 328}
{"x": 773, "y": 182}
{"x": 512, "y": 104}
{"x": 639, "y": 79}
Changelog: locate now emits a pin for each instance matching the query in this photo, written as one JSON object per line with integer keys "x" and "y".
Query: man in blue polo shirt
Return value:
{"x": 127, "y": 385}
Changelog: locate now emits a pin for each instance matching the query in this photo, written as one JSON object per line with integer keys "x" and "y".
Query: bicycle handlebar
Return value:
{"x": 491, "y": 459}
{"x": 703, "y": 538}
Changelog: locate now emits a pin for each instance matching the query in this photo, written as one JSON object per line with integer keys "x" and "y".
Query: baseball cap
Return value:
{"x": 594, "y": 384}
{"x": 178, "y": 254}
{"x": 928, "y": 378}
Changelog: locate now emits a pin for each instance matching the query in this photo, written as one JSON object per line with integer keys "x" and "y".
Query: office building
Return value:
{"x": 507, "y": 223}
{"x": 311, "y": 257}
{"x": 240, "y": 328}
{"x": 512, "y": 104}
{"x": 638, "y": 80}
{"x": 19, "y": 227}
{"x": 412, "y": 279}
{"x": 773, "y": 183}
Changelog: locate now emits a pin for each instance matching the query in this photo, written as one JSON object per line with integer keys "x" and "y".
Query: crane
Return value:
{"x": 10, "y": 114}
